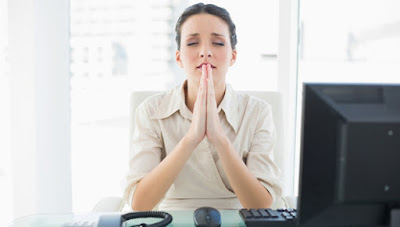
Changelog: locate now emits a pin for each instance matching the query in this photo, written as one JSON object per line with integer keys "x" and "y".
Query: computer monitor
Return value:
{"x": 350, "y": 155}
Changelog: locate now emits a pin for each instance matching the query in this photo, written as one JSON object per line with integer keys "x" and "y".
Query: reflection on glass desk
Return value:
{"x": 180, "y": 218}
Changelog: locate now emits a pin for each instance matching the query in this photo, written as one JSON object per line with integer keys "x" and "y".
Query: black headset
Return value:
{"x": 118, "y": 220}
{"x": 166, "y": 218}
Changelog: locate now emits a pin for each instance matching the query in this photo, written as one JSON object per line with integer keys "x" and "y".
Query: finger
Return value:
{"x": 199, "y": 90}
{"x": 201, "y": 83}
{"x": 201, "y": 93}
{"x": 204, "y": 71}
{"x": 210, "y": 85}
{"x": 201, "y": 86}
{"x": 210, "y": 75}
{"x": 204, "y": 76}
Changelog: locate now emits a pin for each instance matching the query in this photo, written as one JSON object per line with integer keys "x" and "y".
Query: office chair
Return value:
{"x": 111, "y": 204}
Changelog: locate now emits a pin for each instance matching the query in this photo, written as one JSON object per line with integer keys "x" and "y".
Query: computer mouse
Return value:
{"x": 206, "y": 216}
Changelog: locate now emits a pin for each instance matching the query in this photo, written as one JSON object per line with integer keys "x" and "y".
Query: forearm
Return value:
{"x": 250, "y": 192}
{"x": 152, "y": 188}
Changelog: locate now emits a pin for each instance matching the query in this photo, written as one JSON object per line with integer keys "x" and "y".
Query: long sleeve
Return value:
{"x": 146, "y": 150}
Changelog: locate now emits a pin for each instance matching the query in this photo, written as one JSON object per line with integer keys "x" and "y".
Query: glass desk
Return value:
{"x": 180, "y": 218}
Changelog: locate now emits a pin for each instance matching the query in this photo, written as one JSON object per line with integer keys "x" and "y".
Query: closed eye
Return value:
{"x": 219, "y": 44}
{"x": 191, "y": 44}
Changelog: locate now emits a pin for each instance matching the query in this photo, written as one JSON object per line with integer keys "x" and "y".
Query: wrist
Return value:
{"x": 190, "y": 141}
{"x": 221, "y": 142}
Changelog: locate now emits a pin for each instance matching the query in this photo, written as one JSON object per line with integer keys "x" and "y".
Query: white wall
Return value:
{"x": 40, "y": 110}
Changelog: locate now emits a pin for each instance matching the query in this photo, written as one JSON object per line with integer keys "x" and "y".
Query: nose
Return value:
{"x": 202, "y": 55}
{"x": 205, "y": 51}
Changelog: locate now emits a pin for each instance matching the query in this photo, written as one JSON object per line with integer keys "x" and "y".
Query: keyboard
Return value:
{"x": 269, "y": 217}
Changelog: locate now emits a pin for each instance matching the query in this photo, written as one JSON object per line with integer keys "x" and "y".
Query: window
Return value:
{"x": 351, "y": 41}
{"x": 348, "y": 41}
{"x": 114, "y": 52}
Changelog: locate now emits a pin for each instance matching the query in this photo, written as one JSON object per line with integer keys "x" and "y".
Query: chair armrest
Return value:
{"x": 109, "y": 204}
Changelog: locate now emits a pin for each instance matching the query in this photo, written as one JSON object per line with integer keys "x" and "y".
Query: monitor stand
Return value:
{"x": 394, "y": 217}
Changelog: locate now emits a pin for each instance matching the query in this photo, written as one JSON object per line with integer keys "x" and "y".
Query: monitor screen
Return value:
{"x": 350, "y": 154}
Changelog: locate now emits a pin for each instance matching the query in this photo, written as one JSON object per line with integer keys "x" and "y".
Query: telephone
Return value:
{"x": 118, "y": 220}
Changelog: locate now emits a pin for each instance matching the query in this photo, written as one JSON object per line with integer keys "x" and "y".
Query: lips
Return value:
{"x": 201, "y": 65}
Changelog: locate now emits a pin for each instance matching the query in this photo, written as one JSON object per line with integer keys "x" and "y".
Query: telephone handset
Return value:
{"x": 114, "y": 220}
{"x": 118, "y": 220}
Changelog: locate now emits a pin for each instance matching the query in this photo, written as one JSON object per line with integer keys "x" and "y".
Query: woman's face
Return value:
{"x": 205, "y": 39}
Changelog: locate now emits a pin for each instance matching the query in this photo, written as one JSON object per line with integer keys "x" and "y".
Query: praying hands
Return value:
{"x": 205, "y": 120}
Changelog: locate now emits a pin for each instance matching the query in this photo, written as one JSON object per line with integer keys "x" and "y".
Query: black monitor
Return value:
{"x": 350, "y": 155}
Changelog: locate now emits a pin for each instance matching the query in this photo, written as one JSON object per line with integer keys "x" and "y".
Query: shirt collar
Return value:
{"x": 174, "y": 101}
{"x": 229, "y": 105}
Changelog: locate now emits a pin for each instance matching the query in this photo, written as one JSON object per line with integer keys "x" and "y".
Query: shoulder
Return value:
{"x": 162, "y": 105}
{"x": 151, "y": 104}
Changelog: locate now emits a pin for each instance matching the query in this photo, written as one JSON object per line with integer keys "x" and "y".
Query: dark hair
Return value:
{"x": 207, "y": 9}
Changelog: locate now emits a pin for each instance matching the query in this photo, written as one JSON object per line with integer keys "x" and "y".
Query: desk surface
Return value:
{"x": 180, "y": 218}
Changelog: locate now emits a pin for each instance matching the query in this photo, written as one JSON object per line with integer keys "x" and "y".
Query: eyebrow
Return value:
{"x": 212, "y": 34}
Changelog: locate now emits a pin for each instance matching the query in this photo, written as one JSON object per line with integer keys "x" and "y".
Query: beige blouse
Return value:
{"x": 161, "y": 122}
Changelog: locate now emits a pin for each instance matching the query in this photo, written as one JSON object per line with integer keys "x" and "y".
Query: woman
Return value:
{"x": 202, "y": 144}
